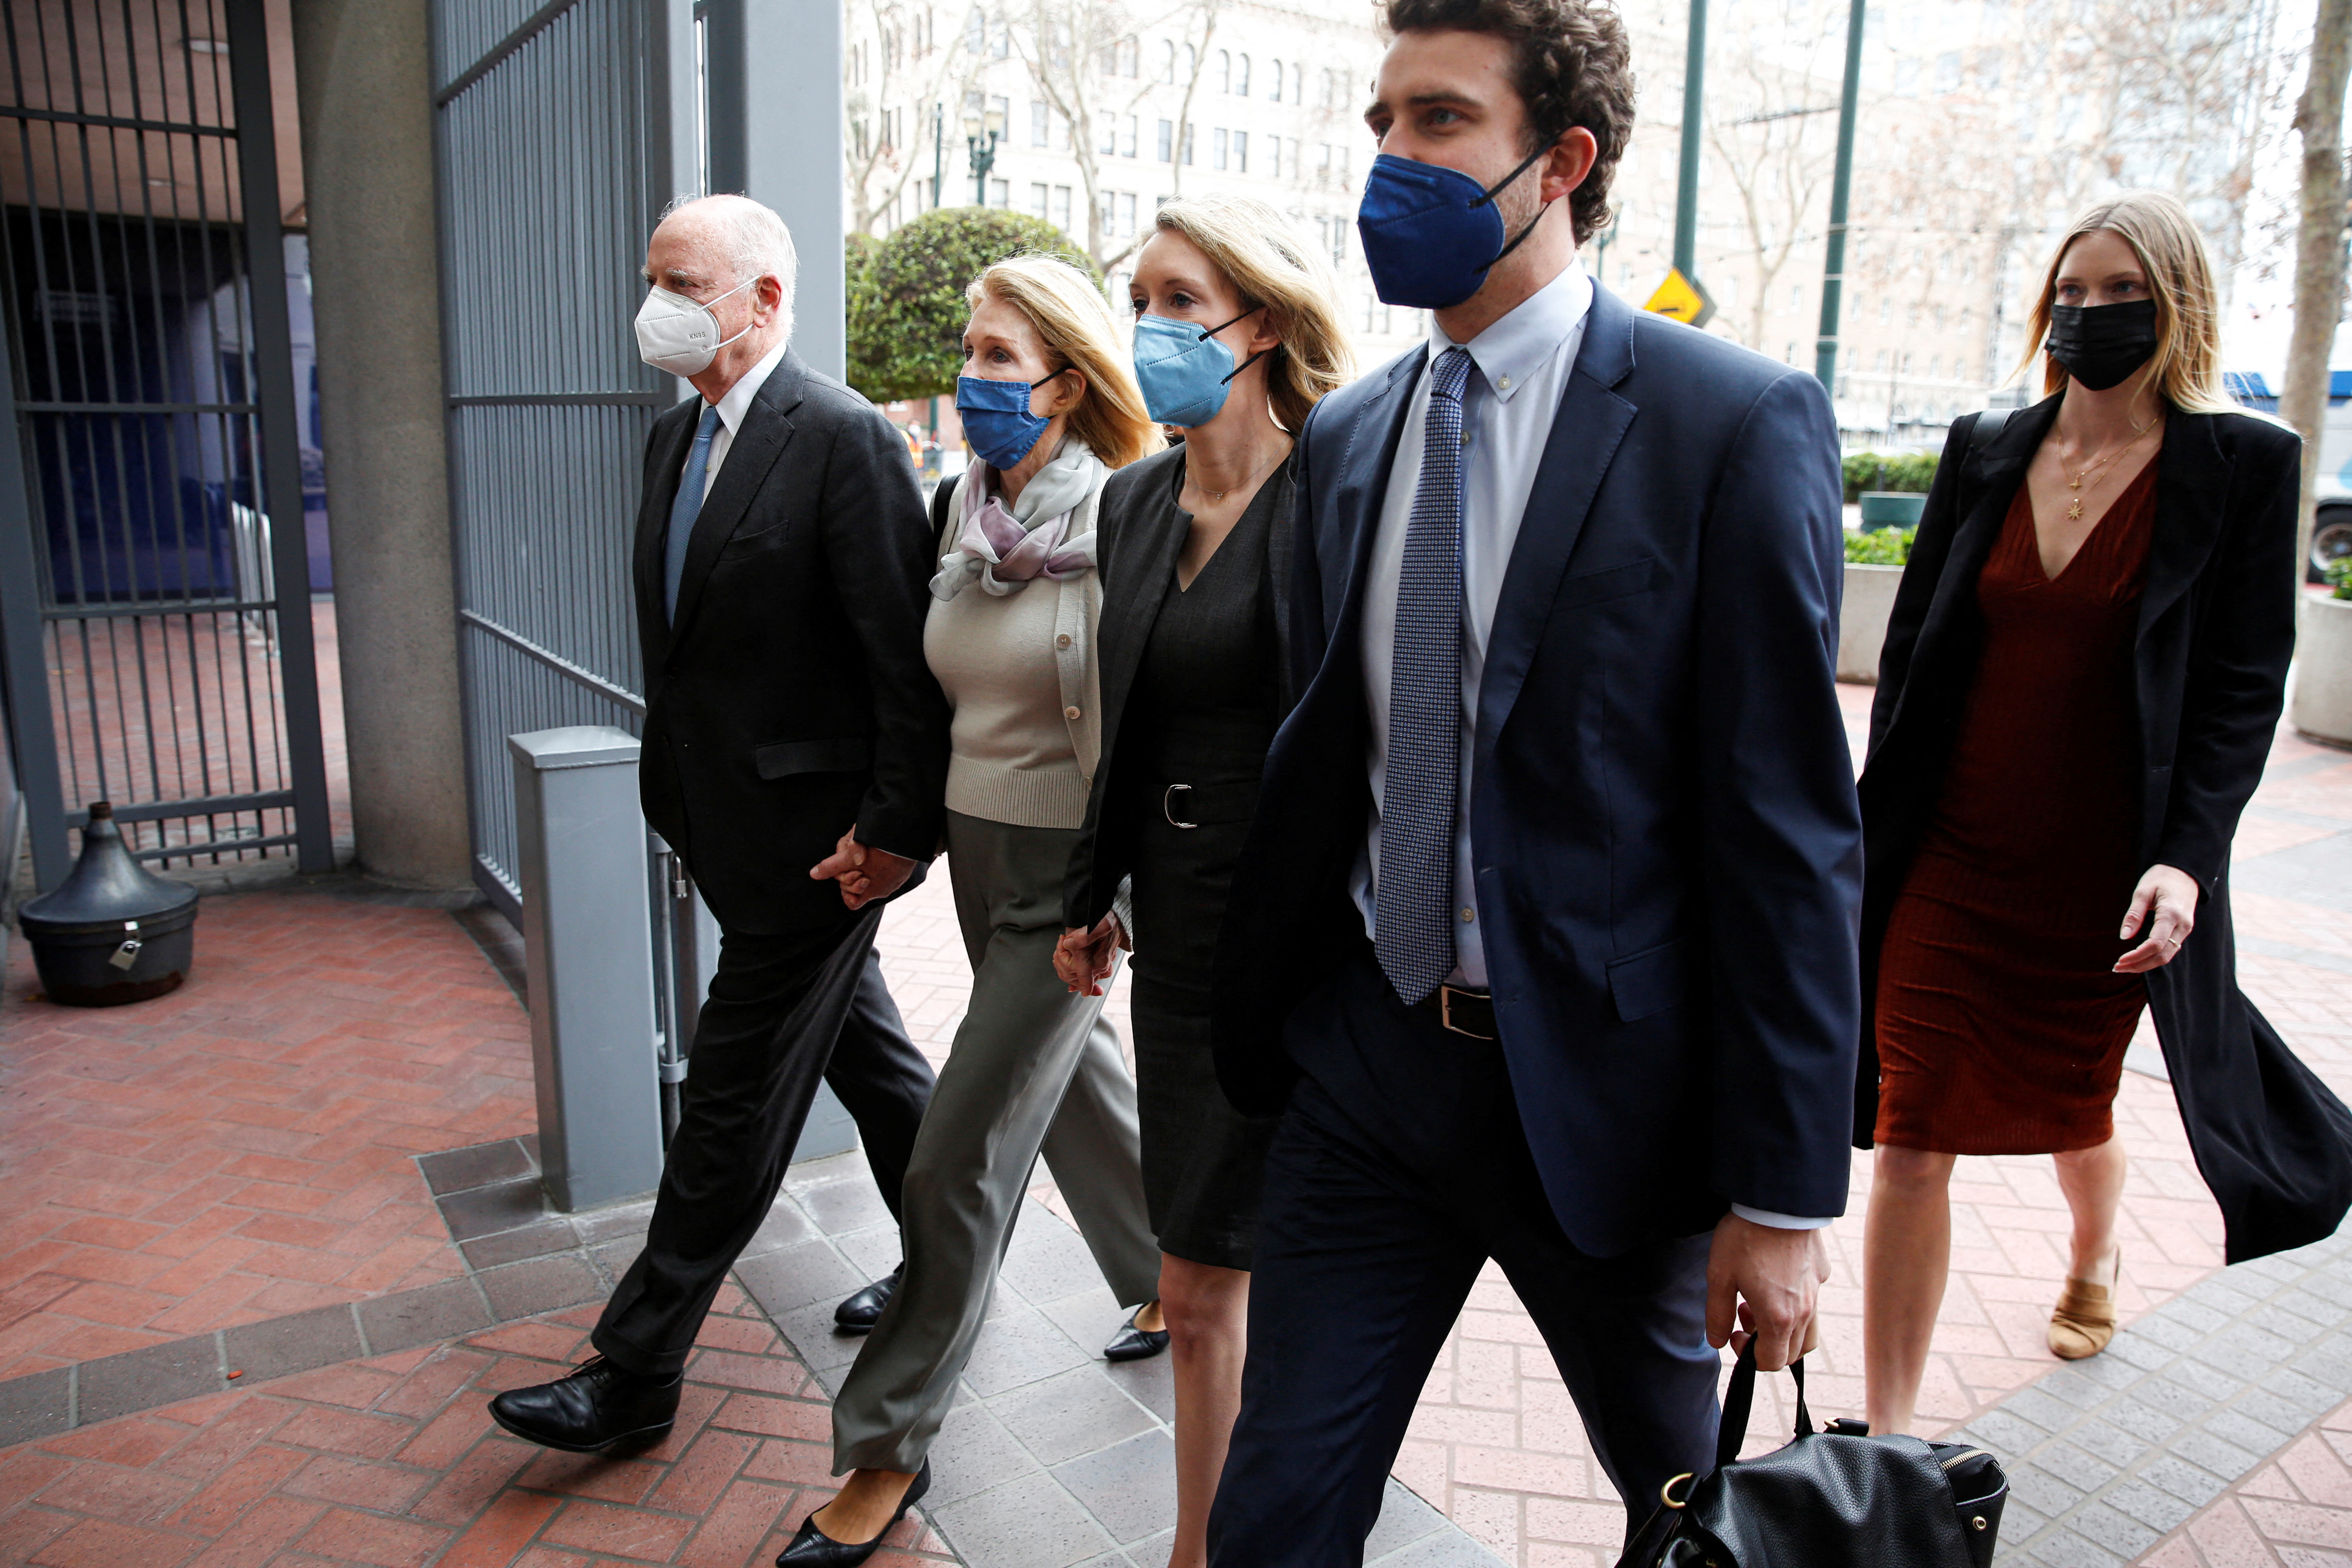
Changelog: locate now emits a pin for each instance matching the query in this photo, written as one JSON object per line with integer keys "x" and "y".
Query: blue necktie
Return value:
{"x": 1414, "y": 916}
{"x": 687, "y": 507}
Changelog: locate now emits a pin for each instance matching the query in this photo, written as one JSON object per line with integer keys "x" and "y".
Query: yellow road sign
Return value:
{"x": 1682, "y": 298}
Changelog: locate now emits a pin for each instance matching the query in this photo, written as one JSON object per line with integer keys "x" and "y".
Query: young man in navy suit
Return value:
{"x": 1545, "y": 945}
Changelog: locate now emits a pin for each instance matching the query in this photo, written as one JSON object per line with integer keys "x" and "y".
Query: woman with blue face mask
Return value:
{"x": 1235, "y": 339}
{"x": 1051, "y": 410}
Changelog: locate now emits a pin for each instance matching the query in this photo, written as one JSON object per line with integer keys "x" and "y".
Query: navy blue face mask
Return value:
{"x": 1430, "y": 233}
{"x": 996, "y": 418}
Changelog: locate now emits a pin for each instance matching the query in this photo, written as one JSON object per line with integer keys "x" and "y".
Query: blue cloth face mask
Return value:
{"x": 1430, "y": 233}
{"x": 1184, "y": 371}
{"x": 996, "y": 418}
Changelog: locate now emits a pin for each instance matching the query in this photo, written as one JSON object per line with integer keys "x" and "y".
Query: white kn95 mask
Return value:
{"x": 680, "y": 335}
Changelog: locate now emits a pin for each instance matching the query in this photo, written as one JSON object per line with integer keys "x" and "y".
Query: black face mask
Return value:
{"x": 2102, "y": 345}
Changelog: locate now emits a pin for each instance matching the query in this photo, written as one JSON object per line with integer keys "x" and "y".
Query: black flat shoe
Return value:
{"x": 860, "y": 1312}
{"x": 1132, "y": 1343}
{"x": 812, "y": 1548}
{"x": 598, "y": 1407}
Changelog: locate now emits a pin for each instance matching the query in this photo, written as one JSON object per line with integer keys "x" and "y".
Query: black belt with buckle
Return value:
{"x": 1197, "y": 805}
{"x": 1458, "y": 1011}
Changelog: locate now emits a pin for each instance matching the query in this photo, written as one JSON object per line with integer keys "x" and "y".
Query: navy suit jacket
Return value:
{"x": 1662, "y": 808}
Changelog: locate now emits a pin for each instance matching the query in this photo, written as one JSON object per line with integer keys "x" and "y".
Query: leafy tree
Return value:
{"x": 906, "y": 307}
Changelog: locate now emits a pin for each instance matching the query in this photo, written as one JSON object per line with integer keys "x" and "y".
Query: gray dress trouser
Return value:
{"x": 1034, "y": 1069}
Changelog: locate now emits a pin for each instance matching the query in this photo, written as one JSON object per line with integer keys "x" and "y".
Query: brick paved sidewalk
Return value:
{"x": 394, "y": 1461}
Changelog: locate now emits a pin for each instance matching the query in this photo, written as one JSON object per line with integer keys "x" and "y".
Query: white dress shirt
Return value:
{"x": 731, "y": 409}
{"x": 1519, "y": 370}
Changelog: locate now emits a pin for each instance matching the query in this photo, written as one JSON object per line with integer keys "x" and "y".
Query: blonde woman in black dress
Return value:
{"x": 1235, "y": 339}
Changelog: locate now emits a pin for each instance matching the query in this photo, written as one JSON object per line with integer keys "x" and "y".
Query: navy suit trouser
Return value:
{"x": 1399, "y": 1170}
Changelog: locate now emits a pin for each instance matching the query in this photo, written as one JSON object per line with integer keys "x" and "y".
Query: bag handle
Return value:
{"x": 1986, "y": 430}
{"x": 1741, "y": 1398}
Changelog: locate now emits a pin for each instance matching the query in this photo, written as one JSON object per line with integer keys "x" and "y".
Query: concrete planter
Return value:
{"x": 2323, "y": 671}
{"x": 1862, "y": 624}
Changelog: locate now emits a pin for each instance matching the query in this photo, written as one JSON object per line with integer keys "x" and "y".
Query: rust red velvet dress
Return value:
{"x": 2001, "y": 1024}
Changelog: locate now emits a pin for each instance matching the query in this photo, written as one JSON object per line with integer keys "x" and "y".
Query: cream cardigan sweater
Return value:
{"x": 1022, "y": 673}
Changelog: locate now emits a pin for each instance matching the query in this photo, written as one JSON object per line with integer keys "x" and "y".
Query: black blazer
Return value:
{"x": 1662, "y": 801}
{"x": 1136, "y": 549}
{"x": 791, "y": 696}
{"x": 2216, "y": 630}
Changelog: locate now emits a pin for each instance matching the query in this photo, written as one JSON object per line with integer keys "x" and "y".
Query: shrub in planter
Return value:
{"x": 2323, "y": 663}
{"x": 1912, "y": 471}
{"x": 1873, "y": 567}
{"x": 1881, "y": 547}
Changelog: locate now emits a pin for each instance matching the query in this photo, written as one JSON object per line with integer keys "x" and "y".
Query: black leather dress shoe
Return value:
{"x": 860, "y": 1312}
{"x": 812, "y": 1548}
{"x": 1132, "y": 1343}
{"x": 599, "y": 1406}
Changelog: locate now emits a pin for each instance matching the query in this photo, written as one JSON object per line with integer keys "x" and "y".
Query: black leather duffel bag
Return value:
{"x": 1834, "y": 1498}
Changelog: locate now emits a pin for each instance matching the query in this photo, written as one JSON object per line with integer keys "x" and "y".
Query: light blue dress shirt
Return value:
{"x": 1520, "y": 370}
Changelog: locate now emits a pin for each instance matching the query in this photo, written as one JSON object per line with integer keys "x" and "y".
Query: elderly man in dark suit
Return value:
{"x": 781, "y": 552}
{"x": 1544, "y": 943}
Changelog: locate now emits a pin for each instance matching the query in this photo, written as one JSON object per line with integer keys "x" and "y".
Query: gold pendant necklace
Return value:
{"x": 2075, "y": 507}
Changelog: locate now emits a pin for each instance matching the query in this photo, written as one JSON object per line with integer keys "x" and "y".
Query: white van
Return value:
{"x": 2331, "y": 534}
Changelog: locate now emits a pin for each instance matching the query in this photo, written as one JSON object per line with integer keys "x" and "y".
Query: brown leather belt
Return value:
{"x": 1458, "y": 1011}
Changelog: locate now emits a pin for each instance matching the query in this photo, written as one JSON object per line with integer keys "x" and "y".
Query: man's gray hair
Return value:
{"x": 755, "y": 240}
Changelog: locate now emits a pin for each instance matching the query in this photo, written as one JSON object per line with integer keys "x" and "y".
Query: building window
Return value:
{"x": 1273, "y": 87}
{"x": 1040, "y": 122}
{"x": 1108, "y": 143}
{"x": 975, "y": 34}
{"x": 1298, "y": 84}
{"x": 1126, "y": 142}
{"x": 1167, "y": 61}
{"x": 1127, "y": 212}
{"x": 1000, "y": 193}
{"x": 1130, "y": 58}
{"x": 1060, "y": 215}
{"x": 1189, "y": 129}
{"x": 1167, "y": 143}
{"x": 1218, "y": 142}
{"x": 1037, "y": 195}
{"x": 1224, "y": 71}
{"x": 1240, "y": 75}
{"x": 1241, "y": 151}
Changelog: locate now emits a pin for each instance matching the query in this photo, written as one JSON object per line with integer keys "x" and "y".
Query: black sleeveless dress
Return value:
{"x": 1201, "y": 718}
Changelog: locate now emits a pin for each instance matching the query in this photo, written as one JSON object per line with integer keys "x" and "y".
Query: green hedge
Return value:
{"x": 2340, "y": 574}
{"x": 1880, "y": 547}
{"x": 1912, "y": 471}
{"x": 907, "y": 308}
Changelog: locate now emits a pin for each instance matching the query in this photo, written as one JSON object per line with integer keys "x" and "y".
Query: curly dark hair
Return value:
{"x": 1572, "y": 66}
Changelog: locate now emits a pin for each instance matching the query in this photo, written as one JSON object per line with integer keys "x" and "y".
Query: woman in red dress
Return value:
{"x": 2097, "y": 615}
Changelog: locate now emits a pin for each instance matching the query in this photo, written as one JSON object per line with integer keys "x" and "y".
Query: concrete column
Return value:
{"x": 366, "y": 95}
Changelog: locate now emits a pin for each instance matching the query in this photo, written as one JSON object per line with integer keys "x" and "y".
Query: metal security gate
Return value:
{"x": 155, "y": 585}
{"x": 556, "y": 155}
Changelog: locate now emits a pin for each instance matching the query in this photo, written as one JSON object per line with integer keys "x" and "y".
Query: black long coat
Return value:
{"x": 791, "y": 697}
{"x": 2216, "y": 632}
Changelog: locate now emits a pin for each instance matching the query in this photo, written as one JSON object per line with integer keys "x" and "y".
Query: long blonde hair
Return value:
{"x": 1262, "y": 257}
{"x": 1079, "y": 332}
{"x": 2188, "y": 360}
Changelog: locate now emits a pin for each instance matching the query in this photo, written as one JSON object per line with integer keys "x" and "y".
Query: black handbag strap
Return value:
{"x": 1741, "y": 1398}
{"x": 1986, "y": 430}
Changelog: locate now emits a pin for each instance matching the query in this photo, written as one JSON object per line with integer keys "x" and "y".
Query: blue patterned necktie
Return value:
{"x": 687, "y": 507}
{"x": 1414, "y": 922}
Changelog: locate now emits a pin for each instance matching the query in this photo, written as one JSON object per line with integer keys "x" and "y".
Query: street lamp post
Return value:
{"x": 1825, "y": 346}
{"x": 981, "y": 132}
{"x": 939, "y": 157}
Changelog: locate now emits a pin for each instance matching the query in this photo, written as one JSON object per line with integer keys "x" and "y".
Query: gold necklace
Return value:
{"x": 2075, "y": 507}
{"x": 1219, "y": 495}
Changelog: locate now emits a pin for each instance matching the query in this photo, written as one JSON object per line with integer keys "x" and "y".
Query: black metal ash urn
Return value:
{"x": 112, "y": 932}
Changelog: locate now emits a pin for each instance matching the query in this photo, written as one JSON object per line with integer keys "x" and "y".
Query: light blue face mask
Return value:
{"x": 1184, "y": 371}
{"x": 996, "y": 418}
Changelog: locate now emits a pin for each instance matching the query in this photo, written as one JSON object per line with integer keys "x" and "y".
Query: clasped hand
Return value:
{"x": 1083, "y": 959}
{"x": 864, "y": 873}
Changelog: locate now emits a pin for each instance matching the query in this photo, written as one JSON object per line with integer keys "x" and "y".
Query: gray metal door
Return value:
{"x": 556, "y": 148}
{"x": 155, "y": 613}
